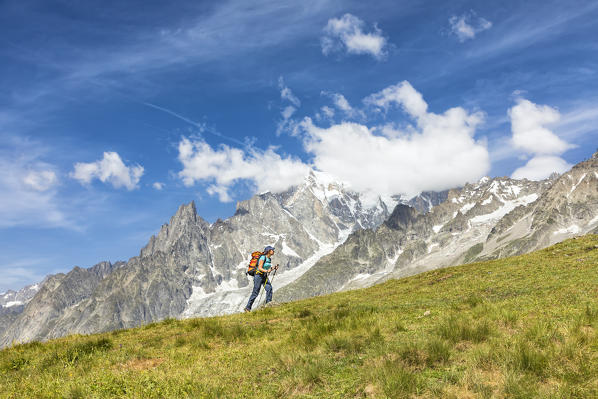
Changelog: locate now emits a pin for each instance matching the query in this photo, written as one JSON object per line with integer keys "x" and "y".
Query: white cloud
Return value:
{"x": 41, "y": 180}
{"x": 528, "y": 122}
{"x": 580, "y": 122}
{"x": 111, "y": 169}
{"x": 347, "y": 33}
{"x": 327, "y": 112}
{"x": 341, "y": 103}
{"x": 158, "y": 186}
{"x": 18, "y": 274}
{"x": 541, "y": 167}
{"x": 439, "y": 153}
{"x": 402, "y": 94}
{"x": 287, "y": 112}
{"x": 530, "y": 134}
{"x": 28, "y": 187}
{"x": 225, "y": 166}
{"x": 287, "y": 94}
{"x": 468, "y": 25}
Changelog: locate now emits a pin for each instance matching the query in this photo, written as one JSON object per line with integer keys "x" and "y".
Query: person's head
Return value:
{"x": 269, "y": 250}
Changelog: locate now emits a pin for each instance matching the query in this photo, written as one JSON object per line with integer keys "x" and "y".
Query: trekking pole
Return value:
{"x": 261, "y": 292}
{"x": 272, "y": 279}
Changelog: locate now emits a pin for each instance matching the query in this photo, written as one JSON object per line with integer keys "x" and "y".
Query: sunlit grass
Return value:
{"x": 520, "y": 327}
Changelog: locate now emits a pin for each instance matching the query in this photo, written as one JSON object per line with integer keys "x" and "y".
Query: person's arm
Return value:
{"x": 260, "y": 263}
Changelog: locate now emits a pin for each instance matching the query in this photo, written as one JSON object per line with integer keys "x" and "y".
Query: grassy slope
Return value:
{"x": 518, "y": 327}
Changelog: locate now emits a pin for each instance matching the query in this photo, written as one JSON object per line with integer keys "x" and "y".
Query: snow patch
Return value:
{"x": 465, "y": 208}
{"x": 288, "y": 250}
{"x": 360, "y": 276}
{"x": 575, "y": 185}
{"x": 394, "y": 259}
{"x": 293, "y": 274}
{"x": 437, "y": 228}
{"x": 515, "y": 190}
{"x": 506, "y": 208}
{"x": 595, "y": 220}
{"x": 13, "y": 303}
{"x": 228, "y": 285}
{"x": 432, "y": 246}
{"x": 487, "y": 201}
{"x": 573, "y": 229}
{"x": 494, "y": 187}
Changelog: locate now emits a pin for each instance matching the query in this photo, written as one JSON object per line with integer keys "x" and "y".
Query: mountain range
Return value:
{"x": 328, "y": 239}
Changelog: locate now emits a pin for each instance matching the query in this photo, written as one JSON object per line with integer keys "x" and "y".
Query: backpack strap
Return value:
{"x": 257, "y": 267}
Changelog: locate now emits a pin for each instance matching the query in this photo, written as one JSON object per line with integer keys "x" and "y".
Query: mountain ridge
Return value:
{"x": 327, "y": 241}
{"x": 191, "y": 267}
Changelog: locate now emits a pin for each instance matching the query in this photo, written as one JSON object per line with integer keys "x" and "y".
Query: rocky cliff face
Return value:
{"x": 427, "y": 200}
{"x": 12, "y": 304}
{"x": 489, "y": 219}
{"x": 568, "y": 208}
{"x": 192, "y": 267}
{"x": 57, "y": 293}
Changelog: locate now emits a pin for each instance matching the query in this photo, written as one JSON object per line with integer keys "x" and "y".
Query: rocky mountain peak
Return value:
{"x": 184, "y": 221}
{"x": 185, "y": 213}
{"x": 402, "y": 216}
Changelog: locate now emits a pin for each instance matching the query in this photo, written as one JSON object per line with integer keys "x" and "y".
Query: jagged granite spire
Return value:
{"x": 181, "y": 224}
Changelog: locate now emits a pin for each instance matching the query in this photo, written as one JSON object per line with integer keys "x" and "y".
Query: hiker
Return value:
{"x": 264, "y": 267}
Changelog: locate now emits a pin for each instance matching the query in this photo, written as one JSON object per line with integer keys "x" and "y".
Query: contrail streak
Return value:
{"x": 191, "y": 122}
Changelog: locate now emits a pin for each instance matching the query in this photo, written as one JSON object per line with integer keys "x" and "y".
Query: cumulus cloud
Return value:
{"x": 437, "y": 152}
{"x": 440, "y": 152}
{"x": 528, "y": 122}
{"x": 530, "y": 134}
{"x": 541, "y": 167}
{"x": 468, "y": 25}
{"x": 402, "y": 94}
{"x": 110, "y": 169}
{"x": 158, "y": 186}
{"x": 347, "y": 33}
{"x": 224, "y": 166}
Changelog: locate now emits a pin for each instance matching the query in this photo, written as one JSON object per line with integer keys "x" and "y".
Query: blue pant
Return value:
{"x": 258, "y": 281}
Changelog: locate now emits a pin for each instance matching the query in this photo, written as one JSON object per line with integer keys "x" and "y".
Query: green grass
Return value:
{"x": 522, "y": 327}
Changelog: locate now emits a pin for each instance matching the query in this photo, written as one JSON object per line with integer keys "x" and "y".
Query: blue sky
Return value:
{"x": 114, "y": 113}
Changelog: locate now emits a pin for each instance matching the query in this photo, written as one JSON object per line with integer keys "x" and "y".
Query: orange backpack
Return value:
{"x": 253, "y": 263}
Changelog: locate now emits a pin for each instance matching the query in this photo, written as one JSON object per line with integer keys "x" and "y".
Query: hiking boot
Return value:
{"x": 246, "y": 310}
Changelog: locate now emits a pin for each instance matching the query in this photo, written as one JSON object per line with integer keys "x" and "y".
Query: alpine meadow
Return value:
{"x": 519, "y": 327}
